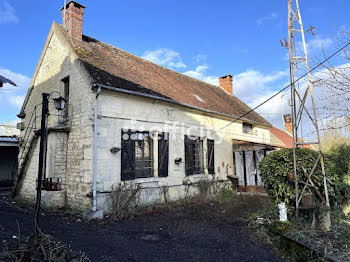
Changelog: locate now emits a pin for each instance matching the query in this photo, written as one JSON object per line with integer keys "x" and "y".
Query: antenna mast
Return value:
{"x": 296, "y": 34}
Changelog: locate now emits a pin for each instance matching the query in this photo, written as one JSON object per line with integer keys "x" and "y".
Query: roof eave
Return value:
{"x": 120, "y": 90}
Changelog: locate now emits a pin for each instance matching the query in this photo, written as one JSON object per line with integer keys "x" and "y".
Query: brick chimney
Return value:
{"x": 226, "y": 83}
{"x": 73, "y": 20}
{"x": 288, "y": 123}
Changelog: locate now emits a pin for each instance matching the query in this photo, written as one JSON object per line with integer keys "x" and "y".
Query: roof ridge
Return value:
{"x": 169, "y": 69}
{"x": 163, "y": 67}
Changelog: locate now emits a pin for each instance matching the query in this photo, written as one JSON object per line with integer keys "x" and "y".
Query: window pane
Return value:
{"x": 137, "y": 156}
{"x": 198, "y": 156}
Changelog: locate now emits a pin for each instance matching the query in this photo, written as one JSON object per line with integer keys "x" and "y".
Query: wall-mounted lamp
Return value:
{"x": 60, "y": 102}
{"x": 115, "y": 150}
{"x": 178, "y": 160}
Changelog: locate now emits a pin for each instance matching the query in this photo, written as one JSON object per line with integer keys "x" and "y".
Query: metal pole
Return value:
{"x": 42, "y": 151}
{"x": 295, "y": 26}
{"x": 94, "y": 193}
{"x": 293, "y": 104}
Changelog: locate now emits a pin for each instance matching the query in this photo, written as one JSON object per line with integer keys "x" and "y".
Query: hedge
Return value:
{"x": 276, "y": 166}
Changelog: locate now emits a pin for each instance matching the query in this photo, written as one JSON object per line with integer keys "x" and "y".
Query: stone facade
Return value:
{"x": 117, "y": 112}
{"x": 70, "y": 144}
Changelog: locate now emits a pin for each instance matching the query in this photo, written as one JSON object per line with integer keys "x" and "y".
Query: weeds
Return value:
{"x": 205, "y": 187}
{"x": 123, "y": 198}
{"x": 42, "y": 248}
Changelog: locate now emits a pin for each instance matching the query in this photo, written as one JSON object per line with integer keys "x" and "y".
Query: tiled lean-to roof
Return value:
{"x": 282, "y": 138}
{"x": 117, "y": 68}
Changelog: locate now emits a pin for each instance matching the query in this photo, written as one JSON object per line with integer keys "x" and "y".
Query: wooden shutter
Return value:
{"x": 66, "y": 97}
{"x": 127, "y": 157}
{"x": 163, "y": 154}
{"x": 188, "y": 156}
{"x": 210, "y": 145}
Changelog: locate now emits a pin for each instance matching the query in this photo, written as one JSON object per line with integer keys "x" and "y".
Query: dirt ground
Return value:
{"x": 205, "y": 231}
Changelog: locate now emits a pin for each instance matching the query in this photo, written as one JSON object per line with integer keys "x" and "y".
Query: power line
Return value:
{"x": 283, "y": 89}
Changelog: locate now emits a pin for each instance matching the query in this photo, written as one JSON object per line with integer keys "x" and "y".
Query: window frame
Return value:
{"x": 247, "y": 128}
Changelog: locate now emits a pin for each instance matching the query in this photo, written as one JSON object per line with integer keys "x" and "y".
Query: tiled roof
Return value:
{"x": 114, "y": 67}
{"x": 282, "y": 138}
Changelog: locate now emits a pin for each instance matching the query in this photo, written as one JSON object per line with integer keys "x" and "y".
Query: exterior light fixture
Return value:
{"x": 115, "y": 150}
{"x": 60, "y": 103}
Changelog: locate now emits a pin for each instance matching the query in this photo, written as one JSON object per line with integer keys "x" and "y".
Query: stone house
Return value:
{"x": 129, "y": 121}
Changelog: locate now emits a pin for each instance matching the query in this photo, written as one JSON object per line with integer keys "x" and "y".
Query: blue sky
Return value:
{"x": 201, "y": 38}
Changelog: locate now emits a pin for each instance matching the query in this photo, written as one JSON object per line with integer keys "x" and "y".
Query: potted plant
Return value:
{"x": 307, "y": 200}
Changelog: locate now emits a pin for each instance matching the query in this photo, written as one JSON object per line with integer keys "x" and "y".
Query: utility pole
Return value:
{"x": 42, "y": 152}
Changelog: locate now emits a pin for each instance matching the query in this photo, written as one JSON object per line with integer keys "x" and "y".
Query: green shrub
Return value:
{"x": 339, "y": 156}
{"x": 276, "y": 166}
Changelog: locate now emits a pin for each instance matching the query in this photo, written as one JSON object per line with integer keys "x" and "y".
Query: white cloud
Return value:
{"x": 314, "y": 46}
{"x": 270, "y": 17}
{"x": 200, "y": 72}
{"x": 8, "y": 14}
{"x": 253, "y": 87}
{"x": 165, "y": 57}
{"x": 317, "y": 44}
{"x": 200, "y": 58}
{"x": 16, "y": 100}
{"x": 11, "y": 97}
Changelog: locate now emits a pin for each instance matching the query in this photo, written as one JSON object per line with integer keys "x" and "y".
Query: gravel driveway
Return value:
{"x": 208, "y": 231}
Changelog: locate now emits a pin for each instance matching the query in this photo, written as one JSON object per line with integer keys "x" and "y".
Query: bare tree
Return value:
{"x": 335, "y": 105}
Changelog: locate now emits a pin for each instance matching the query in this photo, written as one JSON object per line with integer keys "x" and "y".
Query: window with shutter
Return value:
{"x": 210, "y": 146}
{"x": 163, "y": 154}
{"x": 127, "y": 156}
{"x": 193, "y": 156}
{"x": 137, "y": 155}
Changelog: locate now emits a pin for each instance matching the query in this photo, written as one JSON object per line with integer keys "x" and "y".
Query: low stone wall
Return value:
{"x": 53, "y": 199}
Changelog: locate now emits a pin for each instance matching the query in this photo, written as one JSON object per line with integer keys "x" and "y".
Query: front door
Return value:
{"x": 246, "y": 169}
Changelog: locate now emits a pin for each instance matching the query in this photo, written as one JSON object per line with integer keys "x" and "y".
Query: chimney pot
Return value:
{"x": 288, "y": 123}
{"x": 73, "y": 19}
{"x": 226, "y": 83}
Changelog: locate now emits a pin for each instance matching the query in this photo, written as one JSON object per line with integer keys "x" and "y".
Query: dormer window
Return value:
{"x": 247, "y": 128}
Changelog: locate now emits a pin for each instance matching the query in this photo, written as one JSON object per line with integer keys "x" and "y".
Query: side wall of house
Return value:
{"x": 117, "y": 111}
{"x": 73, "y": 163}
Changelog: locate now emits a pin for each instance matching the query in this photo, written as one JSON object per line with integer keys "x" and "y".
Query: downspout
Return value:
{"x": 94, "y": 195}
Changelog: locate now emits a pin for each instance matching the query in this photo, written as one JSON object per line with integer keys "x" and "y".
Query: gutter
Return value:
{"x": 129, "y": 92}
{"x": 94, "y": 195}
